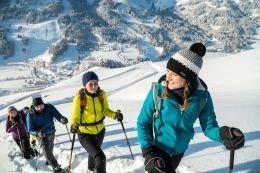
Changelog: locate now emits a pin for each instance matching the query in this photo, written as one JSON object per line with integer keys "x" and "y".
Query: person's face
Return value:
{"x": 39, "y": 108}
{"x": 13, "y": 113}
{"x": 174, "y": 81}
{"x": 26, "y": 111}
{"x": 92, "y": 86}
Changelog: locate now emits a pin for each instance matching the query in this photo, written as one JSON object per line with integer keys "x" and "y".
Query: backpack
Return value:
{"x": 83, "y": 103}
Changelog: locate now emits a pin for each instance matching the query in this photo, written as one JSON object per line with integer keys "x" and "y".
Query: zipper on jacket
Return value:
{"x": 178, "y": 107}
{"x": 181, "y": 109}
{"x": 95, "y": 112}
{"x": 180, "y": 115}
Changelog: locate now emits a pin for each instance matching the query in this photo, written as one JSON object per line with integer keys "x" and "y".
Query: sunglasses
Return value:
{"x": 39, "y": 107}
{"x": 94, "y": 84}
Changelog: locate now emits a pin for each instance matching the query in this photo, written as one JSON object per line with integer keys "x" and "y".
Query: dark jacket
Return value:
{"x": 37, "y": 121}
{"x": 17, "y": 128}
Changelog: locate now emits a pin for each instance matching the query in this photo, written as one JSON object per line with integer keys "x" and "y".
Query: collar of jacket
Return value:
{"x": 92, "y": 95}
{"x": 200, "y": 91}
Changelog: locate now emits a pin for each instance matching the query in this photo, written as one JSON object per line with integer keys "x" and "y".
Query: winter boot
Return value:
{"x": 91, "y": 168}
{"x": 27, "y": 156}
{"x": 100, "y": 163}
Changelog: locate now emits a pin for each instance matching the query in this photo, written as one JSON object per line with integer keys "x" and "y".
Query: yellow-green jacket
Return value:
{"x": 92, "y": 113}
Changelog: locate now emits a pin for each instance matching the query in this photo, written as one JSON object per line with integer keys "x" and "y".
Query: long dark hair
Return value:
{"x": 186, "y": 92}
{"x": 15, "y": 119}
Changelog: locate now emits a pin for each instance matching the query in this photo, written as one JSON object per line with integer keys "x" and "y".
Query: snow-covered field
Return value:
{"x": 234, "y": 82}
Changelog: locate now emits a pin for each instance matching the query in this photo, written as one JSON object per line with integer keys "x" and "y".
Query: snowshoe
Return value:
{"x": 60, "y": 170}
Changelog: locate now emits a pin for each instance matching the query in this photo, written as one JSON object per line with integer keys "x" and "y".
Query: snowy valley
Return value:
{"x": 46, "y": 46}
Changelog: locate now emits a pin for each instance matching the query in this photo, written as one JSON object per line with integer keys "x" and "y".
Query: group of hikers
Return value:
{"x": 164, "y": 125}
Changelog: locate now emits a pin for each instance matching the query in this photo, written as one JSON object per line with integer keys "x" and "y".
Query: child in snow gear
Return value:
{"x": 90, "y": 106}
{"x": 175, "y": 102}
{"x": 16, "y": 125}
{"x": 40, "y": 124}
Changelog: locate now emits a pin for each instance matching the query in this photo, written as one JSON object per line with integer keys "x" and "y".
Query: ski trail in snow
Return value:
{"x": 52, "y": 89}
{"x": 19, "y": 99}
{"x": 110, "y": 92}
{"x": 156, "y": 67}
{"x": 130, "y": 83}
{"x": 126, "y": 73}
{"x": 119, "y": 74}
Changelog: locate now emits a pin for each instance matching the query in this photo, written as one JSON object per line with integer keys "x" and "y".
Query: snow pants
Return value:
{"x": 92, "y": 144}
{"x": 47, "y": 147}
{"x": 171, "y": 162}
{"x": 25, "y": 147}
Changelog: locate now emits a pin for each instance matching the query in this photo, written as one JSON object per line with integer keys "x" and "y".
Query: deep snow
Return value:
{"x": 233, "y": 80}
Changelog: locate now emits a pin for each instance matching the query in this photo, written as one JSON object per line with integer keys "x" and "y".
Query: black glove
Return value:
{"x": 74, "y": 128}
{"x": 233, "y": 138}
{"x": 41, "y": 134}
{"x": 152, "y": 162}
{"x": 119, "y": 116}
{"x": 64, "y": 120}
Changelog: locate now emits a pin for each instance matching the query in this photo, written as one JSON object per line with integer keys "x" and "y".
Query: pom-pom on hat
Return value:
{"x": 188, "y": 62}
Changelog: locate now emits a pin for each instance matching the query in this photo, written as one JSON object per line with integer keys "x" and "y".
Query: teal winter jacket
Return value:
{"x": 173, "y": 127}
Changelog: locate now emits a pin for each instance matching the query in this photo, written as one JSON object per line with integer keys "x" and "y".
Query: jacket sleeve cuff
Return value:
{"x": 115, "y": 116}
{"x": 148, "y": 150}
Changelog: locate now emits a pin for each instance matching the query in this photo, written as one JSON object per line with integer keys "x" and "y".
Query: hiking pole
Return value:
{"x": 20, "y": 142}
{"x": 37, "y": 161}
{"x": 68, "y": 132}
{"x": 71, "y": 150}
{"x": 70, "y": 138}
{"x": 231, "y": 160}
{"x": 127, "y": 140}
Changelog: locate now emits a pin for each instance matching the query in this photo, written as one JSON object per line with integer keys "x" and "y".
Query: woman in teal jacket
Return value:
{"x": 165, "y": 123}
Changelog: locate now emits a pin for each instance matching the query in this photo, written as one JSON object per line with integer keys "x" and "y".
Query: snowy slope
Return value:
{"x": 41, "y": 36}
{"x": 233, "y": 80}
